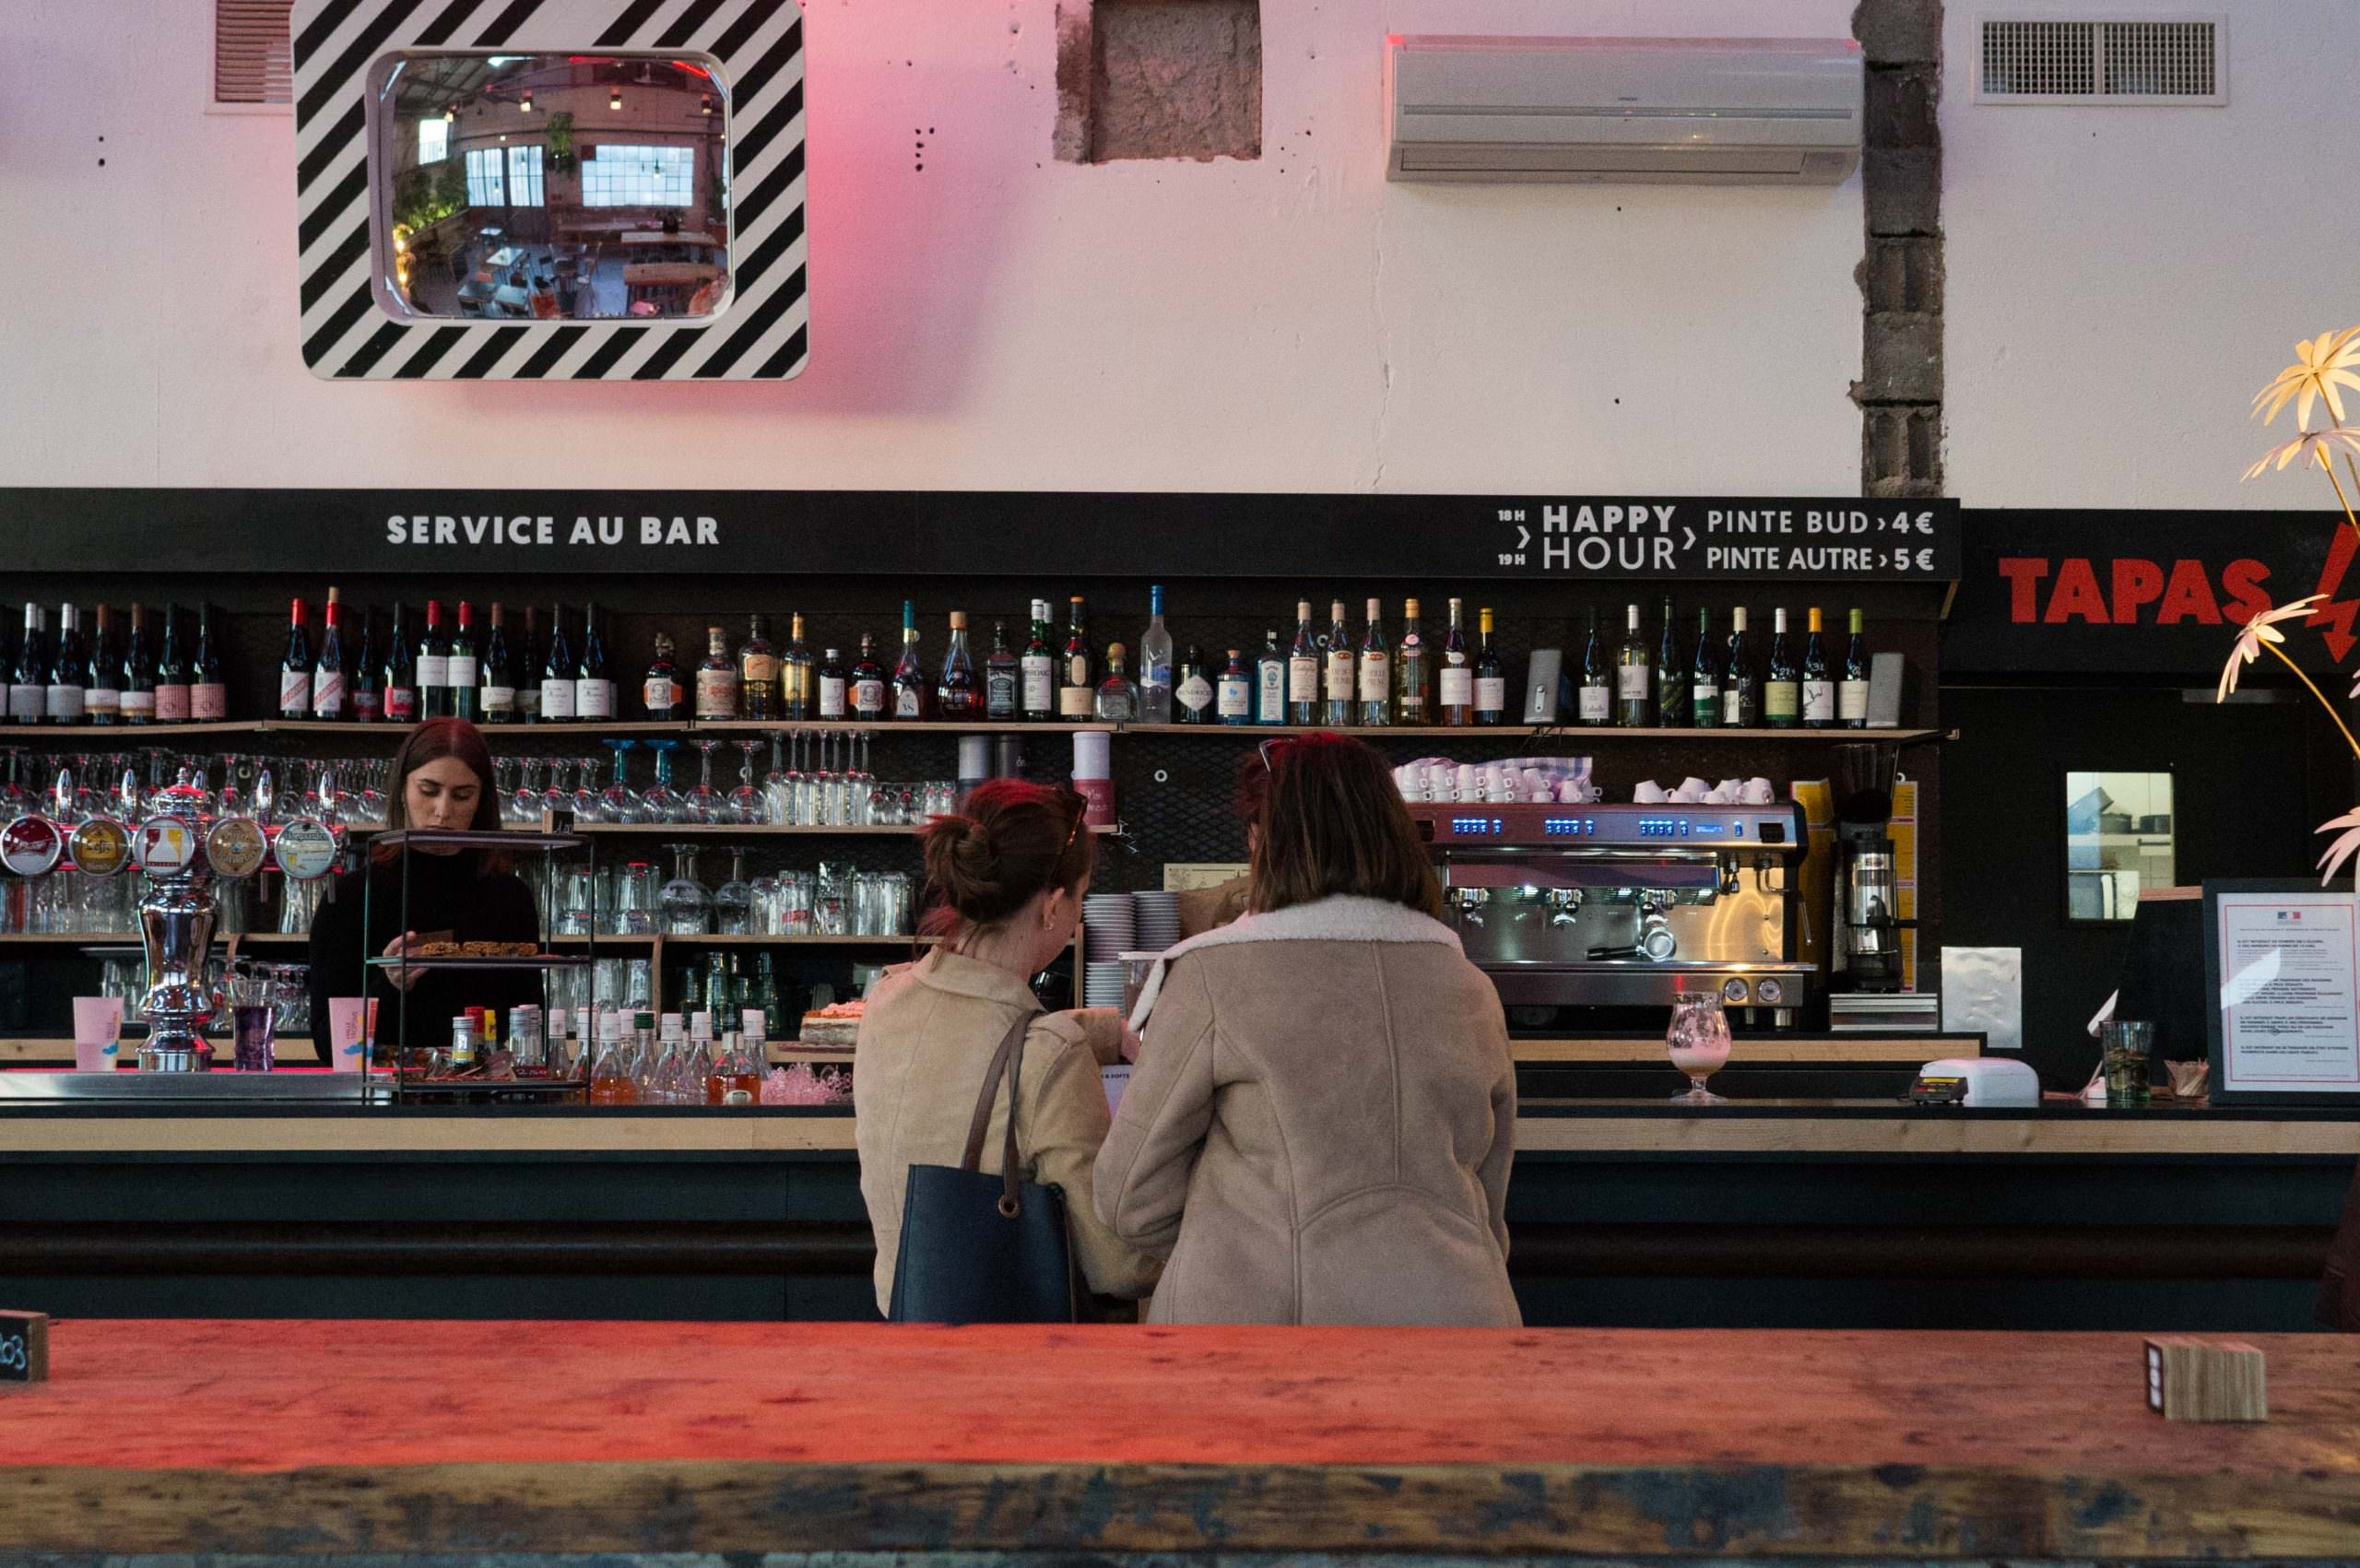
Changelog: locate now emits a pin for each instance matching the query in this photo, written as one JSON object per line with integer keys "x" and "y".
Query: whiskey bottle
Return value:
{"x": 795, "y": 673}
{"x": 867, "y": 682}
{"x": 717, "y": 680}
{"x": 1077, "y": 693}
{"x": 660, "y": 688}
{"x": 758, "y": 673}
{"x": 1037, "y": 671}
{"x": 1003, "y": 678}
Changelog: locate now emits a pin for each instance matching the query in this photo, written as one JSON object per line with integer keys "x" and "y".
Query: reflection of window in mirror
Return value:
{"x": 2120, "y": 839}
{"x": 566, "y": 187}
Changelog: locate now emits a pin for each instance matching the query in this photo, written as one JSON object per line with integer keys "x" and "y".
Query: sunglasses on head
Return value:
{"x": 1271, "y": 747}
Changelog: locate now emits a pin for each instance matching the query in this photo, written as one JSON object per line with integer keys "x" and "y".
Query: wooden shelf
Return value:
{"x": 131, "y": 940}
{"x": 618, "y": 727}
{"x": 1552, "y": 733}
{"x": 762, "y": 830}
{"x": 129, "y": 734}
{"x": 715, "y": 940}
{"x": 902, "y": 727}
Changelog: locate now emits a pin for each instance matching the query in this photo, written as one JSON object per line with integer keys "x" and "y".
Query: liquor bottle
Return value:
{"x": 556, "y": 673}
{"x": 295, "y": 670}
{"x": 867, "y": 681}
{"x": 1819, "y": 684}
{"x": 716, "y": 678}
{"x": 1782, "y": 693}
{"x": 955, "y": 695}
{"x": 1003, "y": 681}
{"x": 594, "y": 682}
{"x": 1341, "y": 675}
{"x": 831, "y": 684}
{"x": 101, "y": 679}
{"x": 138, "y": 672}
{"x": 528, "y": 670}
{"x": 910, "y": 682}
{"x": 1037, "y": 670}
{"x": 401, "y": 672}
{"x": 172, "y": 673}
{"x": 327, "y": 673}
{"x": 1270, "y": 682}
{"x": 1635, "y": 678}
{"x": 660, "y": 691}
{"x": 1852, "y": 692}
{"x": 209, "y": 698}
{"x": 758, "y": 673}
{"x": 1705, "y": 685}
{"x": 1491, "y": 676}
{"x": 1077, "y": 693}
{"x": 1455, "y": 676}
{"x": 1740, "y": 691}
{"x": 434, "y": 666}
{"x": 465, "y": 670}
{"x": 1117, "y": 699}
{"x": 1234, "y": 692}
{"x": 29, "y": 682}
{"x": 1303, "y": 670}
{"x": 66, "y": 685}
{"x": 1671, "y": 675}
{"x": 1411, "y": 657}
{"x": 496, "y": 688}
{"x": 1195, "y": 692}
{"x": 795, "y": 673}
{"x": 1594, "y": 699}
{"x": 1155, "y": 663}
{"x": 1376, "y": 670}
{"x": 367, "y": 677}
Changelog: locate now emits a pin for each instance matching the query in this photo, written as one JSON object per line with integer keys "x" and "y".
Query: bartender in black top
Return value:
{"x": 442, "y": 779}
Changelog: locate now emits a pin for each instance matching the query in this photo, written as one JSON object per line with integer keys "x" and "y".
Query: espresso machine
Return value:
{"x": 1610, "y": 907}
{"x": 1867, "y": 942}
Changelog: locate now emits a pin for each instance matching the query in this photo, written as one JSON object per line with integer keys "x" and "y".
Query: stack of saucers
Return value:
{"x": 1102, "y": 985}
{"x": 1157, "y": 917}
{"x": 1109, "y": 927}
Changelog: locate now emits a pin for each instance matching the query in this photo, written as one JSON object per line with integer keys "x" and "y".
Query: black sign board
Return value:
{"x": 1571, "y": 537}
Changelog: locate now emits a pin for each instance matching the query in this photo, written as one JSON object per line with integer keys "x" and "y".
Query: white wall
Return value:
{"x": 2122, "y": 280}
{"x": 999, "y": 320}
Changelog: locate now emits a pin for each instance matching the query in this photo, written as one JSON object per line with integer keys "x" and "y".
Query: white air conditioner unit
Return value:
{"x": 1711, "y": 111}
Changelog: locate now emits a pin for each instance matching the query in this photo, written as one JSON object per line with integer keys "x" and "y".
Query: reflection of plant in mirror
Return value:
{"x": 560, "y": 130}
{"x": 424, "y": 196}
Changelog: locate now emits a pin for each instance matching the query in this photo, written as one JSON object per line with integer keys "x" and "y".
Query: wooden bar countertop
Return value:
{"x": 308, "y": 1439}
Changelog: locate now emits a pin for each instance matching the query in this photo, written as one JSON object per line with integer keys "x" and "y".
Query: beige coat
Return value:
{"x": 1320, "y": 1125}
{"x": 928, "y": 1036}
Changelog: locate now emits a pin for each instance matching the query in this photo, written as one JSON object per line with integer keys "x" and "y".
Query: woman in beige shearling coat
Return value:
{"x": 1320, "y": 1125}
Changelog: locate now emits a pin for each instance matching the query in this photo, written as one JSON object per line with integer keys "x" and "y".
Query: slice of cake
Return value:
{"x": 834, "y": 1027}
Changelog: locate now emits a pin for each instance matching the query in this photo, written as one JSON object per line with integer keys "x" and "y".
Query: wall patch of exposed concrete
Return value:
{"x": 1157, "y": 78}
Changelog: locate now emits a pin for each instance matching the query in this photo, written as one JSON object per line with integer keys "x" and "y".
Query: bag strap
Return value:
{"x": 1010, "y": 1050}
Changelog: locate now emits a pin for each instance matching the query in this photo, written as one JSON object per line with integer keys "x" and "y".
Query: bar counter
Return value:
{"x": 505, "y": 1440}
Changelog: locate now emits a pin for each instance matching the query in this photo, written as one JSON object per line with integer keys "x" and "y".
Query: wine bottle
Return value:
{"x": 955, "y": 695}
{"x": 401, "y": 671}
{"x": 1490, "y": 675}
{"x": 29, "y": 682}
{"x": 1705, "y": 684}
{"x": 1155, "y": 663}
{"x": 1077, "y": 693}
{"x": 556, "y": 673}
{"x": 1852, "y": 692}
{"x": 867, "y": 681}
{"x": 528, "y": 670}
{"x": 138, "y": 672}
{"x": 1782, "y": 693}
{"x": 795, "y": 674}
{"x": 295, "y": 670}
{"x": 910, "y": 682}
{"x": 434, "y": 666}
{"x": 1342, "y": 673}
{"x": 1269, "y": 681}
{"x": 661, "y": 689}
{"x": 1635, "y": 678}
{"x": 65, "y": 672}
{"x": 1037, "y": 670}
{"x": 1819, "y": 685}
{"x": 717, "y": 680}
{"x": 208, "y": 697}
{"x": 758, "y": 673}
{"x": 1594, "y": 699}
{"x": 466, "y": 669}
{"x": 1303, "y": 669}
{"x": 172, "y": 673}
{"x": 327, "y": 674}
{"x": 594, "y": 683}
{"x": 496, "y": 688}
{"x": 1003, "y": 680}
{"x": 1193, "y": 697}
{"x": 367, "y": 680}
{"x": 1671, "y": 675}
{"x": 831, "y": 684}
{"x": 1376, "y": 670}
{"x": 1455, "y": 676}
{"x": 102, "y": 676}
{"x": 1741, "y": 690}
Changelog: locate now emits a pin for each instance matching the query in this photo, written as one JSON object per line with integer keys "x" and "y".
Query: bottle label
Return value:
{"x": 1000, "y": 693}
{"x": 1491, "y": 694}
{"x": 464, "y": 671}
{"x": 1376, "y": 677}
{"x": 1303, "y": 680}
{"x": 27, "y": 703}
{"x": 757, "y": 668}
{"x": 1852, "y": 701}
{"x": 1633, "y": 683}
{"x": 1819, "y": 700}
{"x": 1196, "y": 693}
{"x": 101, "y": 701}
{"x": 594, "y": 699}
{"x": 716, "y": 694}
{"x": 499, "y": 699}
{"x": 1073, "y": 701}
{"x": 869, "y": 698}
{"x": 1236, "y": 697}
{"x": 1339, "y": 674}
{"x": 366, "y": 708}
{"x": 1707, "y": 691}
{"x": 662, "y": 694}
{"x": 142, "y": 704}
{"x": 528, "y": 700}
{"x": 556, "y": 700}
{"x": 64, "y": 702}
{"x": 294, "y": 691}
{"x": 327, "y": 694}
{"x": 832, "y": 697}
{"x": 1596, "y": 704}
{"x": 209, "y": 701}
{"x": 1036, "y": 682}
{"x": 907, "y": 702}
{"x": 1458, "y": 686}
{"x": 171, "y": 703}
{"x": 1778, "y": 701}
{"x": 1270, "y": 692}
{"x": 434, "y": 670}
{"x": 1078, "y": 670}
{"x": 401, "y": 704}
{"x": 1737, "y": 707}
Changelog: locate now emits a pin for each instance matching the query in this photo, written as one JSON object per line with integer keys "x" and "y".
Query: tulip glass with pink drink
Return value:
{"x": 1699, "y": 1042}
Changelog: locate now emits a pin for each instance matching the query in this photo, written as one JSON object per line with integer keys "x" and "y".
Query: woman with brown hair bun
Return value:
{"x": 1008, "y": 875}
{"x": 1320, "y": 1125}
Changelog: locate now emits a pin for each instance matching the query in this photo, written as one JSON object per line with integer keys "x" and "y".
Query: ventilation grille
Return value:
{"x": 2046, "y": 61}
{"x": 253, "y": 61}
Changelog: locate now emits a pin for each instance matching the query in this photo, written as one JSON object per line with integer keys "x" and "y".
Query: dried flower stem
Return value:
{"x": 2330, "y": 469}
{"x": 2307, "y": 681}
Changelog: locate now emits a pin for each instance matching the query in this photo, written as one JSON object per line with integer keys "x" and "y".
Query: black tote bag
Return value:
{"x": 984, "y": 1249}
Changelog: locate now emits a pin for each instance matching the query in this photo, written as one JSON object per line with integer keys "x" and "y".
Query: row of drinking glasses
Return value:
{"x": 834, "y": 901}
{"x": 346, "y": 792}
{"x": 68, "y": 904}
{"x": 815, "y": 780}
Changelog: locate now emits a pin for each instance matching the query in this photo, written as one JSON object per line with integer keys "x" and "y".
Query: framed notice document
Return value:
{"x": 2282, "y": 965}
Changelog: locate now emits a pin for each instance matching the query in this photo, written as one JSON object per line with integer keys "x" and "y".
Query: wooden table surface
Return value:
{"x": 310, "y": 1438}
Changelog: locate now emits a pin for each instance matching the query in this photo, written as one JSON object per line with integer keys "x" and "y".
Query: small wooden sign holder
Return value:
{"x": 24, "y": 1348}
{"x": 2199, "y": 1380}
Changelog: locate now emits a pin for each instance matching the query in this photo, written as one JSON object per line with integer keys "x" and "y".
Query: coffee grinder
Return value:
{"x": 1867, "y": 946}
